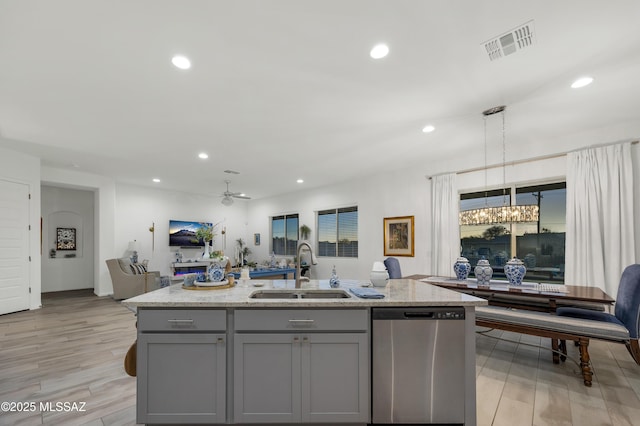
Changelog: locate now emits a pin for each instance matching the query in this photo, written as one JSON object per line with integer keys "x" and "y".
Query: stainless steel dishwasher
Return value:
{"x": 418, "y": 368}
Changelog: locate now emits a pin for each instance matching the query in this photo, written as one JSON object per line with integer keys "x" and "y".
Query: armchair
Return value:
{"x": 126, "y": 284}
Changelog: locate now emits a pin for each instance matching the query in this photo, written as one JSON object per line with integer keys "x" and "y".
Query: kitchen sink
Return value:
{"x": 299, "y": 294}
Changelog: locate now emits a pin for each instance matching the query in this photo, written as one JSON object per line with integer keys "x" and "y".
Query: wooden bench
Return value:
{"x": 559, "y": 329}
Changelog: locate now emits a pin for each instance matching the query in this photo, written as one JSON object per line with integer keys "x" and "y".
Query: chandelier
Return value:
{"x": 507, "y": 213}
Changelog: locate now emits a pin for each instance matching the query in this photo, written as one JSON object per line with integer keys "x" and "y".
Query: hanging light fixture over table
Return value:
{"x": 507, "y": 213}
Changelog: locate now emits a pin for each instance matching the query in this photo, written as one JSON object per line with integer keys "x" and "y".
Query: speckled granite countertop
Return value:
{"x": 399, "y": 292}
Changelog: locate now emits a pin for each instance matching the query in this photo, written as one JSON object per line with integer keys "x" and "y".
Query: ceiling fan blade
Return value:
{"x": 228, "y": 194}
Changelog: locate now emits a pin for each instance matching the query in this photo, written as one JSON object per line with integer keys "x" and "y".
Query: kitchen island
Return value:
{"x": 276, "y": 354}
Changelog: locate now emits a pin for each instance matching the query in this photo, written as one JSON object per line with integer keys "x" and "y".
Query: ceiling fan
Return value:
{"x": 228, "y": 196}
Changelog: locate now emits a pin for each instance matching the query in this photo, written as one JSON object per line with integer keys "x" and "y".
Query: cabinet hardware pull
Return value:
{"x": 295, "y": 339}
{"x": 180, "y": 321}
{"x": 220, "y": 340}
{"x": 301, "y": 321}
{"x": 305, "y": 339}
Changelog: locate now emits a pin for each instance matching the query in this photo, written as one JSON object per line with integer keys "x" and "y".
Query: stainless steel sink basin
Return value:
{"x": 300, "y": 294}
{"x": 273, "y": 294}
{"x": 324, "y": 294}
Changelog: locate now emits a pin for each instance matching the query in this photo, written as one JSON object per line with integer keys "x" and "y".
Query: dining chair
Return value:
{"x": 626, "y": 310}
{"x": 393, "y": 267}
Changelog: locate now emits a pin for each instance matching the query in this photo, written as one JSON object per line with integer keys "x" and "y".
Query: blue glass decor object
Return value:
{"x": 462, "y": 267}
{"x": 216, "y": 273}
{"x": 334, "y": 281}
{"x": 189, "y": 279}
{"x": 515, "y": 271}
{"x": 483, "y": 272}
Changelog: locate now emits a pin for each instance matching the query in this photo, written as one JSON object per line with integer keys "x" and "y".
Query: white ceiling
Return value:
{"x": 285, "y": 89}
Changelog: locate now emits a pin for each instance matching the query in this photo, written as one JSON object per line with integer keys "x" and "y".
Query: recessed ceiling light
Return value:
{"x": 379, "y": 51}
{"x": 581, "y": 82}
{"x": 203, "y": 155}
{"x": 181, "y": 62}
{"x": 243, "y": 194}
{"x": 300, "y": 181}
{"x": 156, "y": 180}
{"x": 428, "y": 128}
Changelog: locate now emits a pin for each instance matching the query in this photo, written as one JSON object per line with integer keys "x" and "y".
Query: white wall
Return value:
{"x": 67, "y": 208}
{"x": 25, "y": 169}
{"x": 137, "y": 208}
{"x": 401, "y": 193}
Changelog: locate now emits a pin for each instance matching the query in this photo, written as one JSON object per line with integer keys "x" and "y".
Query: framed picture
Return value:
{"x": 65, "y": 238}
{"x": 398, "y": 236}
{"x": 256, "y": 239}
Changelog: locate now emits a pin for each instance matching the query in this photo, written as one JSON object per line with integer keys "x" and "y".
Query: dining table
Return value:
{"x": 534, "y": 296}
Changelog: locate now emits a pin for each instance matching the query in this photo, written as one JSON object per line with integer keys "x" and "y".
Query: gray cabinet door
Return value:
{"x": 335, "y": 377}
{"x": 181, "y": 378}
{"x": 311, "y": 378}
{"x": 266, "y": 378}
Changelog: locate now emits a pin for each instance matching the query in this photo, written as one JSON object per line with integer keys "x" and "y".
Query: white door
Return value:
{"x": 14, "y": 247}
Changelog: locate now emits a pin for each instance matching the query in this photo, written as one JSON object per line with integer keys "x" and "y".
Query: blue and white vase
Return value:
{"x": 483, "y": 272}
{"x": 334, "y": 281}
{"x": 515, "y": 271}
{"x": 530, "y": 260}
{"x": 462, "y": 267}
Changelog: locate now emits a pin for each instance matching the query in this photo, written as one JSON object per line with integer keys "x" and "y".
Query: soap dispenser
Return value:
{"x": 334, "y": 281}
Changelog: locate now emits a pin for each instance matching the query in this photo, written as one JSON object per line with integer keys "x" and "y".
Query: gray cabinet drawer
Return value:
{"x": 301, "y": 320}
{"x": 182, "y": 320}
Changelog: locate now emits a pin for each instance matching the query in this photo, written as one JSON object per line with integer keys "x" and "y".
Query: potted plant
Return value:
{"x": 206, "y": 233}
{"x": 305, "y": 232}
{"x": 243, "y": 250}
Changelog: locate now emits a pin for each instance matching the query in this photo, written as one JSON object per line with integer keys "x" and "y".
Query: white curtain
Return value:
{"x": 600, "y": 229}
{"x": 445, "y": 228}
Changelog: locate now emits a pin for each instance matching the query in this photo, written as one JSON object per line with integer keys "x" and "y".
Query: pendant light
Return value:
{"x": 508, "y": 213}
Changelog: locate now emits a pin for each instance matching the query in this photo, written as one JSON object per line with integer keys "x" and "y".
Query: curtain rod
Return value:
{"x": 528, "y": 160}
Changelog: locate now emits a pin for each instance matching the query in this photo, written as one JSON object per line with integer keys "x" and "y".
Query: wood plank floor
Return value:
{"x": 72, "y": 350}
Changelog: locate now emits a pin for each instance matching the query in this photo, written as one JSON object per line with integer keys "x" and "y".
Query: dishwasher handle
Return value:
{"x": 419, "y": 315}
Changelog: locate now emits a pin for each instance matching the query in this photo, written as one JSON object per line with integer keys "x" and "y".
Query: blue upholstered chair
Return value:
{"x": 627, "y": 309}
{"x": 393, "y": 267}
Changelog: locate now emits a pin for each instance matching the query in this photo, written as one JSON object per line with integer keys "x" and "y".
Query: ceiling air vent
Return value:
{"x": 510, "y": 42}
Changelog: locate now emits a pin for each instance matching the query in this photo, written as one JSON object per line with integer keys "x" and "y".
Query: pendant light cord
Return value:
{"x": 486, "y": 201}
{"x": 504, "y": 163}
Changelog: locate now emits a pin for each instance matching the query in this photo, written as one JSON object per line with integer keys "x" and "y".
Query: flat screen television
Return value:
{"x": 183, "y": 234}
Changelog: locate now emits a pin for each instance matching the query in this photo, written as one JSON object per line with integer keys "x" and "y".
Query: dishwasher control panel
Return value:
{"x": 432, "y": 313}
{"x": 449, "y": 315}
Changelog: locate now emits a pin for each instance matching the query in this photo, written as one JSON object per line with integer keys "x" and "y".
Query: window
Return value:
{"x": 338, "y": 232}
{"x": 540, "y": 245}
{"x": 284, "y": 234}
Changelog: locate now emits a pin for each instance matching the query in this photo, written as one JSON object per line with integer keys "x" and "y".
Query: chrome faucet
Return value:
{"x": 300, "y": 278}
